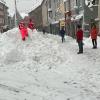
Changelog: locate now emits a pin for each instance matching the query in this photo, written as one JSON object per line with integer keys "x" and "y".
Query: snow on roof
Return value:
{"x": 37, "y": 4}
{"x": 23, "y": 15}
{"x": 3, "y": 2}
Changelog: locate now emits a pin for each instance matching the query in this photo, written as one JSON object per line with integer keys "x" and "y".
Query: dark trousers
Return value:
{"x": 80, "y": 44}
{"x": 43, "y": 32}
{"x": 94, "y": 42}
{"x": 63, "y": 38}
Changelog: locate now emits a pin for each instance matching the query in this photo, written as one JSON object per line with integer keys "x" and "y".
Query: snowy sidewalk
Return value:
{"x": 42, "y": 68}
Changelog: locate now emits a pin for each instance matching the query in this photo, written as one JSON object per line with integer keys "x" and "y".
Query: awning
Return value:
{"x": 55, "y": 22}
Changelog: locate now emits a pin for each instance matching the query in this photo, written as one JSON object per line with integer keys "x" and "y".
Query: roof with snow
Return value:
{"x": 2, "y": 1}
{"x": 37, "y": 4}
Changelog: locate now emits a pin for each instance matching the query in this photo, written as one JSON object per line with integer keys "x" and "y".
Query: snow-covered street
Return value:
{"x": 42, "y": 68}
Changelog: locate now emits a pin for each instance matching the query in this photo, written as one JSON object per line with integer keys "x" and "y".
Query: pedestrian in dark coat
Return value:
{"x": 62, "y": 34}
{"x": 43, "y": 30}
{"x": 93, "y": 35}
{"x": 79, "y": 38}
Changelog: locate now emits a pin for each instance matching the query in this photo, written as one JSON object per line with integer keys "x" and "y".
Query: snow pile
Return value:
{"x": 42, "y": 68}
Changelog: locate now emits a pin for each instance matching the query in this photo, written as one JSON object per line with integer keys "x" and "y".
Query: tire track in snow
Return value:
{"x": 13, "y": 89}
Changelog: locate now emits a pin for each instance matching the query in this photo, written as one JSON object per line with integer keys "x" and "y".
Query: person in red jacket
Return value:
{"x": 79, "y": 37}
{"x": 23, "y": 30}
{"x": 31, "y": 25}
{"x": 93, "y": 35}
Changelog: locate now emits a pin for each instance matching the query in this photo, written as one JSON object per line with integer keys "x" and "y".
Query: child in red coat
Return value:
{"x": 31, "y": 25}
{"x": 79, "y": 37}
{"x": 23, "y": 30}
{"x": 94, "y": 34}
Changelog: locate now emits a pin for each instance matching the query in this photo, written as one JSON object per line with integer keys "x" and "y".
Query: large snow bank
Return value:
{"x": 42, "y": 68}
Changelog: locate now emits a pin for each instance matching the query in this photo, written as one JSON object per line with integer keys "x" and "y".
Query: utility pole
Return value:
{"x": 15, "y": 13}
{"x": 83, "y": 2}
{"x": 69, "y": 17}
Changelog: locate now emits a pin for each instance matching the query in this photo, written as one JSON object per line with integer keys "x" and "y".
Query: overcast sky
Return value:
{"x": 22, "y": 5}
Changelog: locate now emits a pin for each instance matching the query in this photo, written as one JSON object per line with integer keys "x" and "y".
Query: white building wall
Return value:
{"x": 99, "y": 16}
{"x": 55, "y": 9}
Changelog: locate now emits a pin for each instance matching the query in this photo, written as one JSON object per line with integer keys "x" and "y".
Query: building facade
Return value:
{"x": 45, "y": 15}
{"x": 99, "y": 15}
{"x": 72, "y": 16}
{"x": 83, "y": 12}
{"x": 55, "y": 15}
{"x": 11, "y": 22}
{"x": 3, "y": 15}
{"x": 40, "y": 16}
{"x": 90, "y": 15}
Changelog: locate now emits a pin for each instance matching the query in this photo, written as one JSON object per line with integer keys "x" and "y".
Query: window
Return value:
{"x": 50, "y": 14}
{"x": 93, "y": 2}
{"x": 49, "y": 3}
{"x": 1, "y": 13}
{"x": 1, "y": 6}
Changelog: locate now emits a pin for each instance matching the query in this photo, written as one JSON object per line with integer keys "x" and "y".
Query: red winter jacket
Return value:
{"x": 79, "y": 35}
{"x": 93, "y": 33}
{"x": 31, "y": 25}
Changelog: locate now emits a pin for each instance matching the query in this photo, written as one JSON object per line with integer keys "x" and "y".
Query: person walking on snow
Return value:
{"x": 62, "y": 33}
{"x": 31, "y": 25}
{"x": 43, "y": 30}
{"x": 93, "y": 35}
{"x": 23, "y": 30}
{"x": 79, "y": 39}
